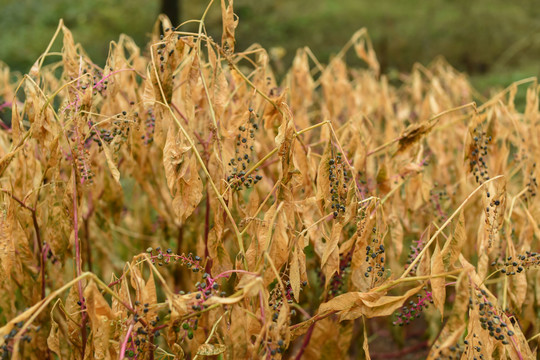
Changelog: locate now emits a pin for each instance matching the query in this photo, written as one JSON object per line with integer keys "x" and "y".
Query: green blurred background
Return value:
{"x": 494, "y": 41}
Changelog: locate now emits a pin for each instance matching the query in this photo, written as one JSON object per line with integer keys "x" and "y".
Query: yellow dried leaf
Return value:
{"x": 294, "y": 273}
{"x": 7, "y": 245}
{"x": 452, "y": 248}
{"x": 413, "y": 134}
{"x": 352, "y": 305}
{"x": 229, "y": 26}
{"x": 211, "y": 349}
{"x": 189, "y": 192}
{"x": 330, "y": 258}
{"x": 438, "y": 287}
{"x": 174, "y": 153}
{"x": 110, "y": 162}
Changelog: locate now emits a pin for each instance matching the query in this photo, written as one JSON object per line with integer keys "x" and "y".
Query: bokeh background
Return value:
{"x": 494, "y": 41}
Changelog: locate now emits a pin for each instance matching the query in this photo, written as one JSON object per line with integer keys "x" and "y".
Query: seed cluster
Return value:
{"x": 413, "y": 309}
{"x": 239, "y": 164}
{"x": 515, "y": 265}
{"x": 479, "y": 154}
{"x": 339, "y": 177}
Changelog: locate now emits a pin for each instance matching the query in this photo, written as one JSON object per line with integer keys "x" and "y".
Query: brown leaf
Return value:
{"x": 413, "y": 134}
{"x": 438, "y": 287}
{"x": 294, "y": 273}
{"x": 352, "y": 305}
{"x": 329, "y": 340}
{"x": 330, "y": 257}
{"x": 174, "y": 158}
{"x": 100, "y": 314}
{"x": 452, "y": 248}
{"x": 7, "y": 244}
{"x": 110, "y": 162}
{"x": 229, "y": 26}
{"x": 211, "y": 349}
{"x": 189, "y": 193}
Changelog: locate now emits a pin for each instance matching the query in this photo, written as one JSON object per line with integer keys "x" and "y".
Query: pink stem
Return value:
{"x": 124, "y": 343}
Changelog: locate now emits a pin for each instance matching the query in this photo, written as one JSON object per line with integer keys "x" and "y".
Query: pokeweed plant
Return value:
{"x": 180, "y": 202}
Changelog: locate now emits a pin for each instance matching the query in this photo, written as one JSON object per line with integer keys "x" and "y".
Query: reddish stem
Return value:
{"x": 305, "y": 343}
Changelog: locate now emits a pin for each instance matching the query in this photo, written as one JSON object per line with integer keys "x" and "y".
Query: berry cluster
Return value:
{"x": 493, "y": 216}
{"x": 512, "y": 266}
{"x": 189, "y": 326}
{"x": 532, "y": 184}
{"x": 277, "y": 297}
{"x": 414, "y": 309}
{"x": 275, "y": 348}
{"x": 150, "y": 124}
{"x": 415, "y": 249}
{"x": 164, "y": 258}
{"x": 339, "y": 177}
{"x": 490, "y": 319}
{"x": 7, "y": 347}
{"x": 163, "y": 53}
{"x": 139, "y": 341}
{"x": 437, "y": 198}
{"x": 375, "y": 259}
{"x": 477, "y": 161}
{"x": 82, "y": 161}
{"x": 449, "y": 353}
{"x": 476, "y": 345}
{"x": 339, "y": 280}
{"x": 101, "y": 81}
{"x": 244, "y": 150}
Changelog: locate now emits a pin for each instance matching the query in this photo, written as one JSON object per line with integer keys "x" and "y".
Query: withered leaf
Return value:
{"x": 413, "y": 134}
{"x": 438, "y": 284}
{"x": 352, "y": 305}
{"x": 452, "y": 248}
{"x": 211, "y": 349}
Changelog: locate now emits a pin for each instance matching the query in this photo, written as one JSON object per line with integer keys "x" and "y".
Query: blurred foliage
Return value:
{"x": 494, "y": 41}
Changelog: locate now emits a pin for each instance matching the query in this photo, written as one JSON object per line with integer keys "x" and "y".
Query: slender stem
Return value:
{"x": 393, "y": 283}
{"x": 305, "y": 343}
{"x": 78, "y": 261}
{"x": 434, "y": 237}
{"x": 433, "y": 119}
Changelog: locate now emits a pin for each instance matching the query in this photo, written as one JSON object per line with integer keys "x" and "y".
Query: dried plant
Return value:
{"x": 180, "y": 202}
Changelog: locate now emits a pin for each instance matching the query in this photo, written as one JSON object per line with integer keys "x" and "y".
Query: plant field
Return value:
{"x": 180, "y": 202}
